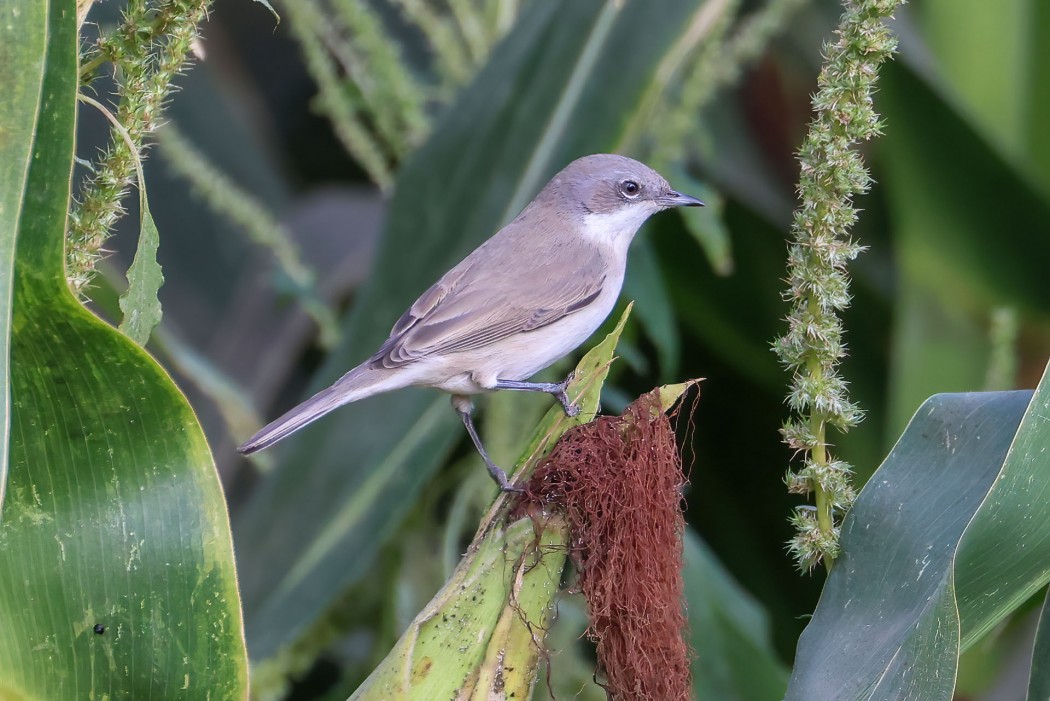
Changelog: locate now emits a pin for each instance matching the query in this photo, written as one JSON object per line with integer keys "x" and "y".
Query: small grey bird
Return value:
{"x": 523, "y": 299}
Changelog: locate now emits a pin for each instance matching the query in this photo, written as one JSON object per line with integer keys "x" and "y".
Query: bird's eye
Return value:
{"x": 630, "y": 188}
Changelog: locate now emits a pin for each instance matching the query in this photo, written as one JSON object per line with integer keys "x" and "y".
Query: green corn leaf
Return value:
{"x": 948, "y": 537}
{"x": 116, "y": 564}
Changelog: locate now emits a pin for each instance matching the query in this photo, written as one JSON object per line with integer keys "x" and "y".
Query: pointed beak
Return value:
{"x": 677, "y": 199}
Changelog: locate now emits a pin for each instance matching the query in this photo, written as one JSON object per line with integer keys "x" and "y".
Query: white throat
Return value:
{"x": 615, "y": 230}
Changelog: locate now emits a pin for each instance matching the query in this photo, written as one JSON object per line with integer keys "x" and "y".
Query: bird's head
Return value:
{"x": 614, "y": 195}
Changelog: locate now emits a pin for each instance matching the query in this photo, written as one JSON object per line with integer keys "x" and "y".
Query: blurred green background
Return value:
{"x": 343, "y": 533}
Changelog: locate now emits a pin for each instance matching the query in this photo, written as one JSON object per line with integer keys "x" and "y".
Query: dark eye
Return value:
{"x": 630, "y": 188}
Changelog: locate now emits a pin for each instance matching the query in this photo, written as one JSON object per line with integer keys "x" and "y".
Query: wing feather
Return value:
{"x": 476, "y": 305}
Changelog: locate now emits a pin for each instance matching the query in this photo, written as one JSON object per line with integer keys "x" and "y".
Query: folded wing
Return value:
{"x": 488, "y": 298}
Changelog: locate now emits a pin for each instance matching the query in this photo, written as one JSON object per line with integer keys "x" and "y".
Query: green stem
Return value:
{"x": 87, "y": 69}
{"x": 825, "y": 519}
{"x": 155, "y": 29}
{"x": 819, "y": 456}
{"x": 147, "y": 69}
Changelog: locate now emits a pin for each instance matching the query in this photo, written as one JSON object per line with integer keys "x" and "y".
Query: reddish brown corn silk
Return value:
{"x": 619, "y": 481}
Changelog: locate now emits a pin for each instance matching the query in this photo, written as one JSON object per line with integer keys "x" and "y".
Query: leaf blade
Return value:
{"x": 895, "y": 581}
{"x": 25, "y": 34}
{"x": 1039, "y": 678}
{"x": 140, "y": 304}
{"x": 730, "y": 633}
{"x": 1004, "y": 556}
{"x": 116, "y": 563}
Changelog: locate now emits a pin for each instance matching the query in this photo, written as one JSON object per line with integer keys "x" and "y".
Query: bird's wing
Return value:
{"x": 476, "y": 304}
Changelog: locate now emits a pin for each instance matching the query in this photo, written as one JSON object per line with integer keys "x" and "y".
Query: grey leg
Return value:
{"x": 554, "y": 388}
{"x": 497, "y": 474}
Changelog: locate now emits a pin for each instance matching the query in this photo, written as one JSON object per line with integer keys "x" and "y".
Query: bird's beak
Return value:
{"x": 677, "y": 199}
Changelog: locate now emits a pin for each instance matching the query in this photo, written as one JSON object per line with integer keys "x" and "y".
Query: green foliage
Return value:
{"x": 1039, "y": 681}
{"x": 735, "y": 660}
{"x": 832, "y": 174}
{"x": 513, "y": 142}
{"x": 253, "y": 216}
{"x": 147, "y": 51}
{"x": 116, "y": 563}
{"x": 374, "y": 100}
{"x": 139, "y": 303}
{"x": 388, "y": 90}
{"x": 459, "y": 111}
{"x": 959, "y": 497}
{"x": 18, "y": 117}
{"x": 335, "y": 100}
{"x": 1002, "y": 559}
{"x": 952, "y": 276}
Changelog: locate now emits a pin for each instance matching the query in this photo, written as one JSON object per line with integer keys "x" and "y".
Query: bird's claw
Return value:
{"x": 562, "y": 396}
{"x": 501, "y": 479}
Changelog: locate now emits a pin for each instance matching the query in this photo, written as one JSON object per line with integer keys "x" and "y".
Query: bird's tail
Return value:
{"x": 357, "y": 384}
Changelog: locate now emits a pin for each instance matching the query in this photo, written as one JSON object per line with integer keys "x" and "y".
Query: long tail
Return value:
{"x": 357, "y": 384}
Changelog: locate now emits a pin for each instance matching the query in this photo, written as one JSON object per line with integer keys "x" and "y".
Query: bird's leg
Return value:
{"x": 463, "y": 408}
{"x": 557, "y": 389}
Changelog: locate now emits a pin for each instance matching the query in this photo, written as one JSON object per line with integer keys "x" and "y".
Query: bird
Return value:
{"x": 523, "y": 299}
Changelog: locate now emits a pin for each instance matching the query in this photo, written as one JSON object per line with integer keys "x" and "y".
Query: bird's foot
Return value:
{"x": 502, "y": 480}
{"x": 562, "y": 395}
